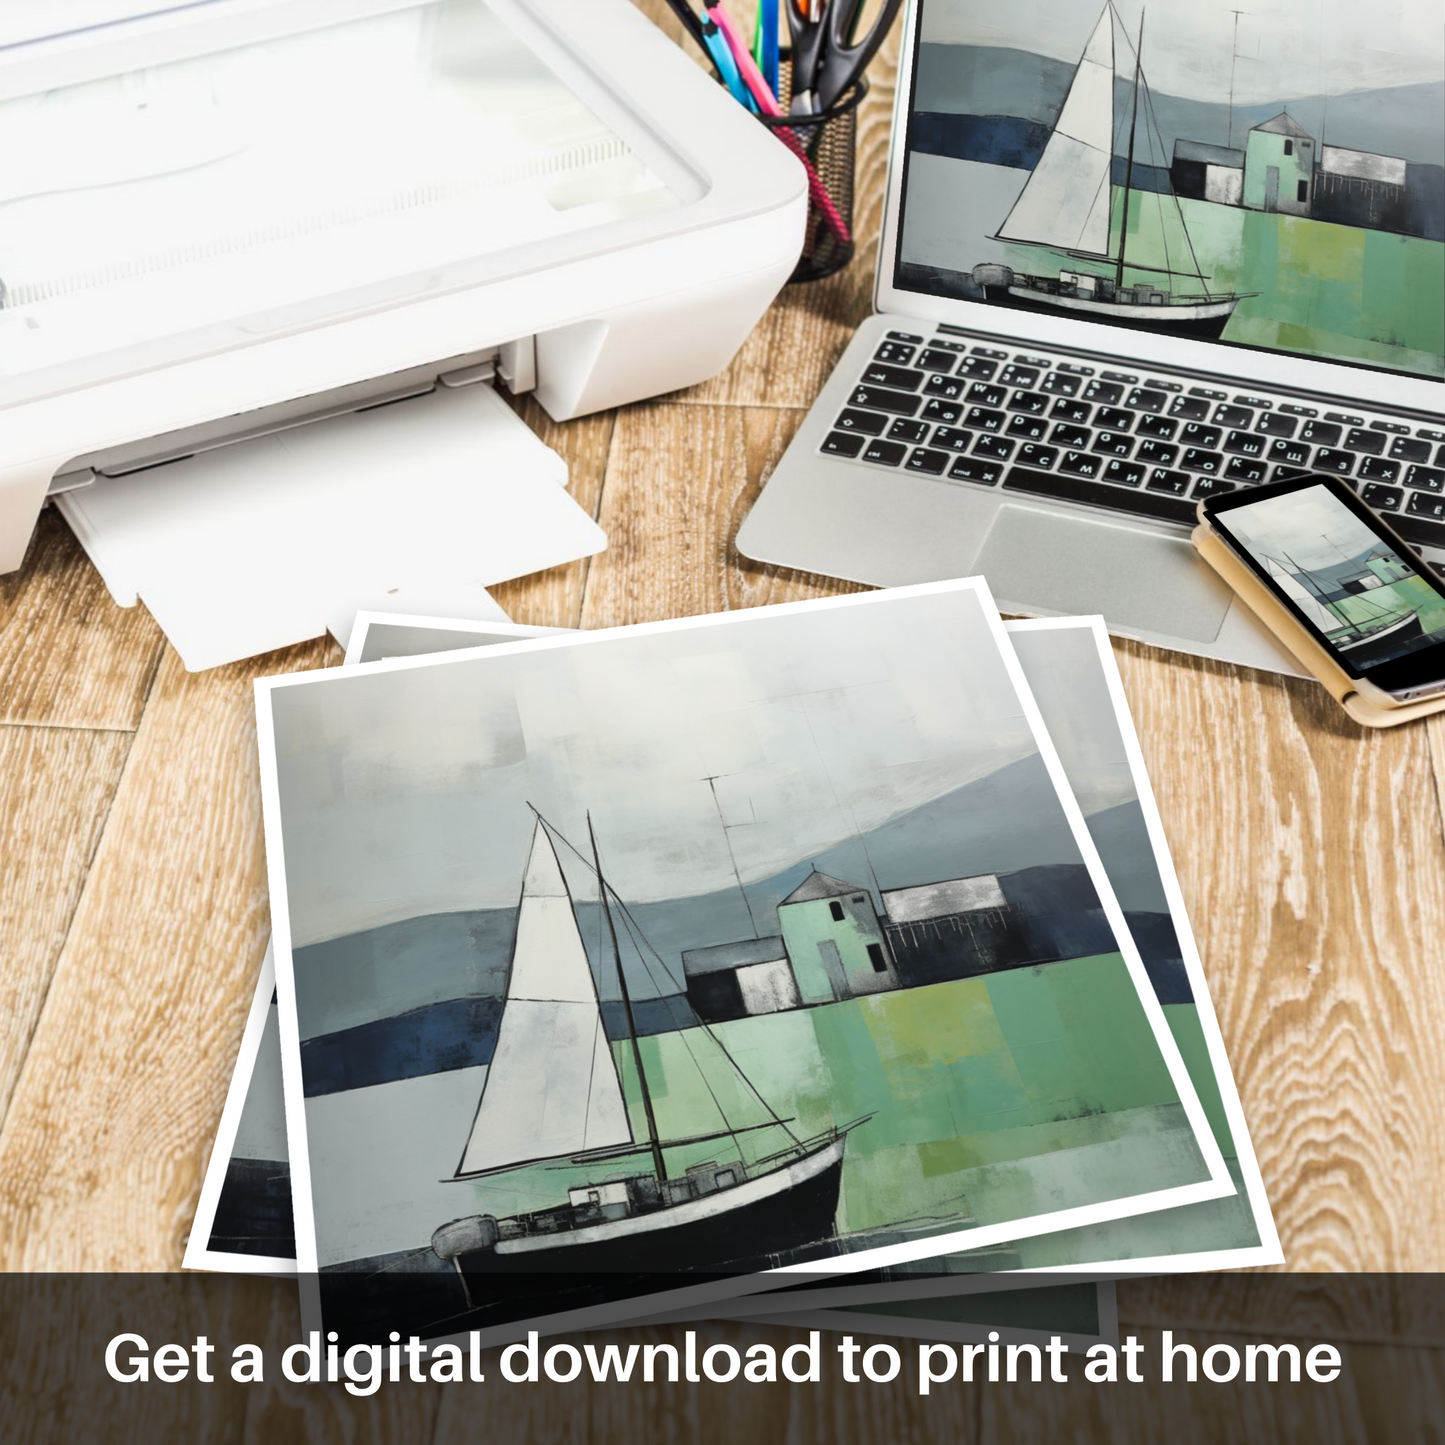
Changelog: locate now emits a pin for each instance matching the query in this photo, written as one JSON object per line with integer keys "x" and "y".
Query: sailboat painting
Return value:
{"x": 1365, "y": 599}
{"x": 1272, "y": 176}
{"x": 1067, "y": 203}
{"x": 681, "y": 961}
{"x": 553, "y": 1090}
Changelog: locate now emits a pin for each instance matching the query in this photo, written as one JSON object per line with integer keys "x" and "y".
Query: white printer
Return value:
{"x": 224, "y": 219}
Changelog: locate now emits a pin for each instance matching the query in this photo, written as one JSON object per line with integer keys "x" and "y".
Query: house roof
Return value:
{"x": 743, "y": 953}
{"x": 1195, "y": 150}
{"x": 1284, "y": 124}
{"x": 820, "y": 885}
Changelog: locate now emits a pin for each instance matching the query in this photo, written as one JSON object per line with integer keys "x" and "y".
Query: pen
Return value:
{"x": 768, "y": 105}
{"x": 748, "y": 70}
{"x": 765, "y": 42}
{"x": 724, "y": 57}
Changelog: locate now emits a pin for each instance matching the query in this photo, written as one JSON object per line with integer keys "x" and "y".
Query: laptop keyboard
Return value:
{"x": 1144, "y": 445}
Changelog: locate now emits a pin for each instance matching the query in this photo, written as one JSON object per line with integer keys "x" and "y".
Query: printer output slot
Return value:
{"x": 513, "y": 362}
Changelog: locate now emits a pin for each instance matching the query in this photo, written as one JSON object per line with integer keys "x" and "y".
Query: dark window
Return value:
{"x": 875, "y": 957}
{"x": 837, "y": 911}
{"x": 1303, "y": 194}
{"x": 1289, "y": 148}
{"x": 860, "y": 898}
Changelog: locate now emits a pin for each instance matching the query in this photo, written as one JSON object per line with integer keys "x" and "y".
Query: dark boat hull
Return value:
{"x": 1155, "y": 318}
{"x": 1384, "y": 644}
{"x": 749, "y": 1236}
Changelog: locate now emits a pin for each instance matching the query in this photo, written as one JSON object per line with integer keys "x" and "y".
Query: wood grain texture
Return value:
{"x": 708, "y": 1413}
{"x": 102, "y": 1149}
{"x": 53, "y": 1334}
{"x": 1435, "y": 733}
{"x": 679, "y": 482}
{"x": 1352, "y": 1410}
{"x": 56, "y": 786}
{"x": 1311, "y": 859}
{"x": 69, "y": 657}
{"x": 554, "y": 598}
{"x": 279, "y": 1412}
{"x": 1363, "y": 1308}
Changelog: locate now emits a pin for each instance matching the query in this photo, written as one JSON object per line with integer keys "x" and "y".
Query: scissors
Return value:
{"x": 827, "y": 54}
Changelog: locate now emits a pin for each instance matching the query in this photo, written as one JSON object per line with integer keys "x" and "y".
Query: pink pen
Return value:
{"x": 768, "y": 104}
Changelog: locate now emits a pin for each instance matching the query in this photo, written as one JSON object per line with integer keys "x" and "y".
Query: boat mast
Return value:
{"x": 652, "y": 1135}
{"x": 1308, "y": 578}
{"x": 1129, "y": 162}
{"x": 1368, "y": 603}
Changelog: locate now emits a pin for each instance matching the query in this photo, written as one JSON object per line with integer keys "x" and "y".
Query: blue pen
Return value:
{"x": 727, "y": 67}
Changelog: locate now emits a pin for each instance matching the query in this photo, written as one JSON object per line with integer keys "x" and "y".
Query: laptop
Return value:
{"x": 1116, "y": 277}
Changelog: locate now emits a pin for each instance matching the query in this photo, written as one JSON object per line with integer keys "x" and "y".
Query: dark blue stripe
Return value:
{"x": 459, "y": 1033}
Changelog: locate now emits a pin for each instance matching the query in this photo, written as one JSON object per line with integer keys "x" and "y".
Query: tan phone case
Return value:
{"x": 1312, "y": 654}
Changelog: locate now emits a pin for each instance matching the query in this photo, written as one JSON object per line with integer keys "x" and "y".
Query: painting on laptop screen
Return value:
{"x": 1267, "y": 174}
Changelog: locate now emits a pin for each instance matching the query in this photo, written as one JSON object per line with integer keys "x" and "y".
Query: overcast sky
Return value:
{"x": 1285, "y": 47}
{"x": 405, "y": 793}
{"x": 1309, "y": 529}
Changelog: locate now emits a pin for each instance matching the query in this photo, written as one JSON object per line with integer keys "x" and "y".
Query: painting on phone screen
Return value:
{"x": 1369, "y": 602}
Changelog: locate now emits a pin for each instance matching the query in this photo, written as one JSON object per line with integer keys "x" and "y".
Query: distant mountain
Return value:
{"x": 451, "y": 968}
{"x": 355, "y": 980}
{"x": 1332, "y": 571}
{"x": 1122, "y": 839}
{"x": 1402, "y": 120}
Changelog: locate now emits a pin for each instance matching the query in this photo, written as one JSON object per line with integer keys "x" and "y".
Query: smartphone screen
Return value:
{"x": 1341, "y": 571}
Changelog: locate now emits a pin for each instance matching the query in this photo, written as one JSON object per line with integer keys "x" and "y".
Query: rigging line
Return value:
{"x": 653, "y": 1138}
{"x": 1129, "y": 163}
{"x": 697, "y": 1062}
{"x": 1152, "y": 128}
{"x": 707, "y": 1027}
{"x": 1153, "y": 120}
{"x": 672, "y": 978}
{"x": 601, "y": 1024}
{"x": 1233, "y": 56}
{"x": 1188, "y": 239}
{"x": 732, "y": 857}
{"x": 833, "y": 788}
{"x": 668, "y": 975}
{"x": 687, "y": 1044}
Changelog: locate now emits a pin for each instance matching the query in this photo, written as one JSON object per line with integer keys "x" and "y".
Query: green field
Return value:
{"x": 992, "y": 1099}
{"x": 1413, "y": 594}
{"x": 1336, "y": 292}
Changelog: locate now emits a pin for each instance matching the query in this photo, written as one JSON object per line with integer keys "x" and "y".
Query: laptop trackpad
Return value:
{"x": 1073, "y": 564}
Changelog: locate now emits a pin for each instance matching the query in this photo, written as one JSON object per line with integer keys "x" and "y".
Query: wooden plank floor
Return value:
{"x": 133, "y": 905}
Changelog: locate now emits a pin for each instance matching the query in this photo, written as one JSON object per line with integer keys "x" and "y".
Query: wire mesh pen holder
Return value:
{"x": 826, "y": 143}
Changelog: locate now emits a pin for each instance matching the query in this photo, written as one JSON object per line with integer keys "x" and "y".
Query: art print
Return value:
{"x": 812, "y": 1065}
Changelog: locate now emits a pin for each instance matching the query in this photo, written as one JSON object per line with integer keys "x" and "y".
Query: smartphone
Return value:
{"x": 1340, "y": 571}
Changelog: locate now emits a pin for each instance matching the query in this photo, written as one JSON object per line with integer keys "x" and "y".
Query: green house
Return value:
{"x": 1388, "y": 567}
{"x": 1279, "y": 167}
{"x": 834, "y": 940}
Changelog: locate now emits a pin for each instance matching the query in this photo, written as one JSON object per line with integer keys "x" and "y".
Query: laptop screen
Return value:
{"x": 1269, "y": 177}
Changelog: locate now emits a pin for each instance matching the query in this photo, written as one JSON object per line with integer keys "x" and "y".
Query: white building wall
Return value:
{"x": 1363, "y": 166}
{"x": 954, "y": 895}
{"x": 768, "y": 988}
{"x": 1224, "y": 185}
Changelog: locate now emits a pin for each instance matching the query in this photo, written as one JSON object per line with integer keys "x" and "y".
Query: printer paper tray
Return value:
{"x": 417, "y": 506}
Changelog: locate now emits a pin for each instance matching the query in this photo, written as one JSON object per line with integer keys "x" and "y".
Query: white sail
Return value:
{"x": 552, "y": 1087}
{"x": 1066, "y": 200}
